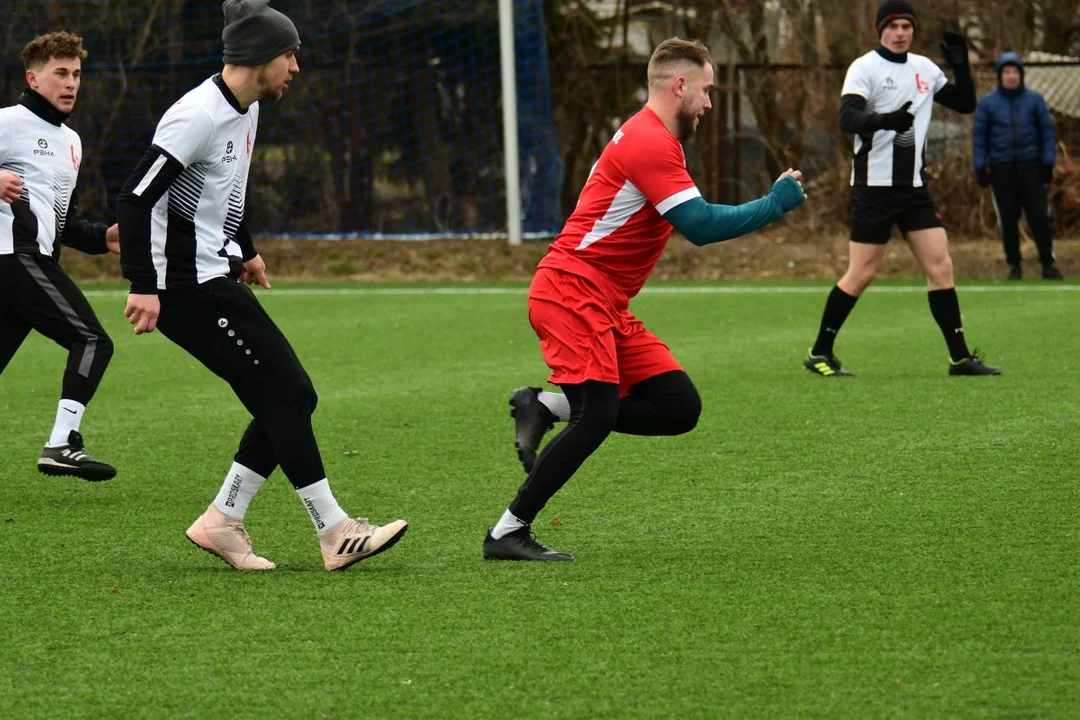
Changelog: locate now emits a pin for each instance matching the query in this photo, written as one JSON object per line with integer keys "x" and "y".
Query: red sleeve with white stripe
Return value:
{"x": 658, "y": 169}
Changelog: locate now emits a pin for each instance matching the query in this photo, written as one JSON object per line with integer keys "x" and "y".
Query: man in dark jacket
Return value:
{"x": 1014, "y": 152}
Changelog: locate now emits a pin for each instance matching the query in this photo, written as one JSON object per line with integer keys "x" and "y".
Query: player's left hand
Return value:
{"x": 788, "y": 190}
{"x": 955, "y": 49}
{"x": 112, "y": 239}
{"x": 255, "y": 272}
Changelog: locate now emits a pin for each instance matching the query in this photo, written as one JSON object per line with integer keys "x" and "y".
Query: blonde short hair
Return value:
{"x": 674, "y": 51}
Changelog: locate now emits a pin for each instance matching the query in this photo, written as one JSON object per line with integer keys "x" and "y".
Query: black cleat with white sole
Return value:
{"x": 72, "y": 459}
{"x": 531, "y": 421}
{"x": 520, "y": 545}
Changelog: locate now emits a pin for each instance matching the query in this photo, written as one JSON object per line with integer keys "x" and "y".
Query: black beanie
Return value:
{"x": 894, "y": 10}
{"x": 255, "y": 33}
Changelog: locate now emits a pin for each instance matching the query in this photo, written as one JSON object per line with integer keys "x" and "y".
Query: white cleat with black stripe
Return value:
{"x": 72, "y": 459}
{"x": 355, "y": 539}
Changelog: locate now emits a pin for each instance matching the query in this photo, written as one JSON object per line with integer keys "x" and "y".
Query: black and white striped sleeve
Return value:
{"x": 152, "y": 178}
{"x": 181, "y": 140}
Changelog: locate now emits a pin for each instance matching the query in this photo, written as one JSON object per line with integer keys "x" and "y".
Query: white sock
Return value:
{"x": 556, "y": 403}
{"x": 324, "y": 510}
{"x": 68, "y": 417}
{"x": 236, "y": 492}
{"x": 507, "y": 524}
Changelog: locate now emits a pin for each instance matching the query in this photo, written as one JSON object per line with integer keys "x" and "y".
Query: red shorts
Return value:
{"x": 584, "y": 335}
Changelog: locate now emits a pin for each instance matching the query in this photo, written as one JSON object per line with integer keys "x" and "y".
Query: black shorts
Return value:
{"x": 874, "y": 211}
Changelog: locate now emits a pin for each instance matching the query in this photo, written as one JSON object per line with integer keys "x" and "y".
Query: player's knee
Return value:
{"x": 298, "y": 394}
{"x": 103, "y": 348}
{"x": 686, "y": 415}
{"x": 940, "y": 270}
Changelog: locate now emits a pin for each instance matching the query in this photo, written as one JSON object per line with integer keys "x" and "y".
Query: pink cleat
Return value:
{"x": 354, "y": 539}
{"x": 218, "y": 534}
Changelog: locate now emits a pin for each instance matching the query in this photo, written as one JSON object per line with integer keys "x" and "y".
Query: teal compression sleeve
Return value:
{"x": 703, "y": 223}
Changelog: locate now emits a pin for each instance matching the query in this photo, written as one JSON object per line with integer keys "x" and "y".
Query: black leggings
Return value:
{"x": 223, "y": 326}
{"x": 36, "y": 294}
{"x": 667, "y": 404}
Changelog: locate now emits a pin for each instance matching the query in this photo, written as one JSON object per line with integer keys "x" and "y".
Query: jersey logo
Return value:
{"x": 249, "y": 142}
{"x": 890, "y": 84}
{"x": 618, "y": 136}
{"x": 924, "y": 87}
{"x": 74, "y": 159}
{"x": 43, "y": 148}
{"x": 228, "y": 157}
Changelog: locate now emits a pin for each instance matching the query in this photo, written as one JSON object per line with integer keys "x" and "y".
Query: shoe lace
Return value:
{"x": 977, "y": 356}
{"x": 241, "y": 533}
{"x": 532, "y": 543}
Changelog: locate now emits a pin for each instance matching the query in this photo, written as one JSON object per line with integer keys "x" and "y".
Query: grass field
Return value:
{"x": 903, "y": 544}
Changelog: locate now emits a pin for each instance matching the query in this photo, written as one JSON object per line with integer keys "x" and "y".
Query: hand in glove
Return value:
{"x": 899, "y": 120}
{"x": 955, "y": 49}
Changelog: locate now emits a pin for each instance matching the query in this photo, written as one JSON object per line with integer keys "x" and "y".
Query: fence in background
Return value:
{"x": 393, "y": 127}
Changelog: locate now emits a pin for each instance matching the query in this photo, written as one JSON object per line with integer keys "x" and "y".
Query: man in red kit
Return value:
{"x": 615, "y": 374}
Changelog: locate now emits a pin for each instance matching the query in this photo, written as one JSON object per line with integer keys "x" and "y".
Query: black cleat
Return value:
{"x": 973, "y": 365}
{"x": 1015, "y": 273}
{"x": 520, "y": 545}
{"x": 1050, "y": 272}
{"x": 825, "y": 365}
{"x": 72, "y": 459}
{"x": 531, "y": 421}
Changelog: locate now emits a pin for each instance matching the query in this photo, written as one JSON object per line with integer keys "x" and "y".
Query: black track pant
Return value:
{"x": 35, "y": 294}
{"x": 223, "y": 326}
{"x": 667, "y": 404}
{"x": 1017, "y": 190}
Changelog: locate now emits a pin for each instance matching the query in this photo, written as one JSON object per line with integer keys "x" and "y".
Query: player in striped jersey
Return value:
{"x": 179, "y": 213}
{"x": 616, "y": 375}
{"x": 886, "y": 102}
{"x": 39, "y": 167}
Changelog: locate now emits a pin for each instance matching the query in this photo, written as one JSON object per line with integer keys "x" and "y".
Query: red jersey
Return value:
{"x": 617, "y": 233}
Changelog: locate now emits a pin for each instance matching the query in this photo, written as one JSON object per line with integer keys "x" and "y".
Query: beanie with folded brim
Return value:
{"x": 892, "y": 10}
{"x": 255, "y": 33}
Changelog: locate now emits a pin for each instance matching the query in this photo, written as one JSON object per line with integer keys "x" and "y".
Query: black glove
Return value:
{"x": 955, "y": 50}
{"x": 982, "y": 177}
{"x": 1046, "y": 174}
{"x": 898, "y": 120}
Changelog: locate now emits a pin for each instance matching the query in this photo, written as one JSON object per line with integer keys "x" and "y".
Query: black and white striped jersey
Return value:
{"x": 884, "y": 158}
{"x": 36, "y": 145}
{"x": 183, "y": 206}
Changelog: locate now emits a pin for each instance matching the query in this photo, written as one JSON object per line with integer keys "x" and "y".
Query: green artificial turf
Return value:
{"x": 900, "y": 544}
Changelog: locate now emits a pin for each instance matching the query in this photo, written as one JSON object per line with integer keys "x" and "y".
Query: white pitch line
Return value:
{"x": 662, "y": 290}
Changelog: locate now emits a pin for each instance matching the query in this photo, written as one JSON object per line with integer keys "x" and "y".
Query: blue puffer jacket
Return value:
{"x": 1013, "y": 127}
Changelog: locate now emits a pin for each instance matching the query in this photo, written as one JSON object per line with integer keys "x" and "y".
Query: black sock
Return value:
{"x": 837, "y": 308}
{"x": 945, "y": 307}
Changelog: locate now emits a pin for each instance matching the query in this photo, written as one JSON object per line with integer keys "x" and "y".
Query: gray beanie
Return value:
{"x": 255, "y": 33}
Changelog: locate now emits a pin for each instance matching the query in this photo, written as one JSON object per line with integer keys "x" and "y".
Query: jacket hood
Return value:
{"x": 1010, "y": 58}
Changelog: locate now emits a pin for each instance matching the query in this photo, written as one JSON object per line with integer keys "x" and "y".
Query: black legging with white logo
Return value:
{"x": 223, "y": 326}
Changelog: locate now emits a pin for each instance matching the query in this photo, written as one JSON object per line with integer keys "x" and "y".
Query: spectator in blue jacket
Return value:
{"x": 1014, "y": 153}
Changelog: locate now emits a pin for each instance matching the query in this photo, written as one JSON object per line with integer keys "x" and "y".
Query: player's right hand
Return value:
{"x": 142, "y": 311}
{"x": 788, "y": 189}
{"x": 899, "y": 120}
{"x": 10, "y": 186}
